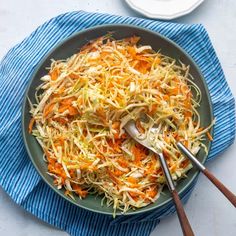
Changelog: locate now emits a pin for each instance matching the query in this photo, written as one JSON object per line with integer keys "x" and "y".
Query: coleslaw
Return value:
{"x": 84, "y": 102}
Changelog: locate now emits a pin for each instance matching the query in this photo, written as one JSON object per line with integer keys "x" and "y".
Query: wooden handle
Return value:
{"x": 220, "y": 186}
{"x": 185, "y": 225}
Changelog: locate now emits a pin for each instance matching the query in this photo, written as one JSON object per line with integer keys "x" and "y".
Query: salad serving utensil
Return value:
{"x": 228, "y": 194}
{"x": 131, "y": 129}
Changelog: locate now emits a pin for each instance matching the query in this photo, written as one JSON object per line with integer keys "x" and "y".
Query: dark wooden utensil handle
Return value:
{"x": 220, "y": 186}
{"x": 185, "y": 225}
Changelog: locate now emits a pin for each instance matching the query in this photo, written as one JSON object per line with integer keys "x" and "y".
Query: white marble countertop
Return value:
{"x": 208, "y": 211}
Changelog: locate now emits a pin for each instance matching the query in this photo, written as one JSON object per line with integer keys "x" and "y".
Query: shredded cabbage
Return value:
{"x": 85, "y": 101}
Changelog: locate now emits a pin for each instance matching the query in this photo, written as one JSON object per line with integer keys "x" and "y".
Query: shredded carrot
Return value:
{"x": 68, "y": 101}
{"x": 31, "y": 124}
{"x": 78, "y": 190}
{"x": 139, "y": 126}
{"x": 185, "y": 163}
{"x": 122, "y": 162}
{"x": 73, "y": 111}
{"x": 116, "y": 125}
{"x": 118, "y": 173}
{"x": 48, "y": 109}
{"x": 114, "y": 178}
{"x": 54, "y": 74}
{"x": 131, "y": 51}
{"x": 132, "y": 180}
{"x": 60, "y": 120}
{"x": 153, "y": 109}
{"x": 209, "y": 136}
{"x": 151, "y": 192}
{"x": 200, "y": 129}
{"x": 63, "y": 108}
{"x": 135, "y": 196}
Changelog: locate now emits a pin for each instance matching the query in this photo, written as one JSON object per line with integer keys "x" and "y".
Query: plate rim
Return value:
{"x": 25, "y": 101}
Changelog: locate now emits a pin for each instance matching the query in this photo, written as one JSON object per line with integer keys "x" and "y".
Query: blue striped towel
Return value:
{"x": 18, "y": 176}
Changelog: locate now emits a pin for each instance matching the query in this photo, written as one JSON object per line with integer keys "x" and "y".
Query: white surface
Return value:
{"x": 209, "y": 212}
{"x": 166, "y": 10}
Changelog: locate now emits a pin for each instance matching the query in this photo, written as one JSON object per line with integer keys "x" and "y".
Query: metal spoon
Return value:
{"x": 228, "y": 194}
{"x": 131, "y": 129}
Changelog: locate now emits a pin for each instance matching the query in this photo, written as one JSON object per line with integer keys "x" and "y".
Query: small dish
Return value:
{"x": 164, "y": 9}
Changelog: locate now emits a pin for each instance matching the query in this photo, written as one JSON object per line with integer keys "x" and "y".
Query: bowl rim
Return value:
{"x": 24, "y": 103}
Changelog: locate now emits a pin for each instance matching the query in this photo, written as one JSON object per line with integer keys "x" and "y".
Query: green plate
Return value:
{"x": 71, "y": 46}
